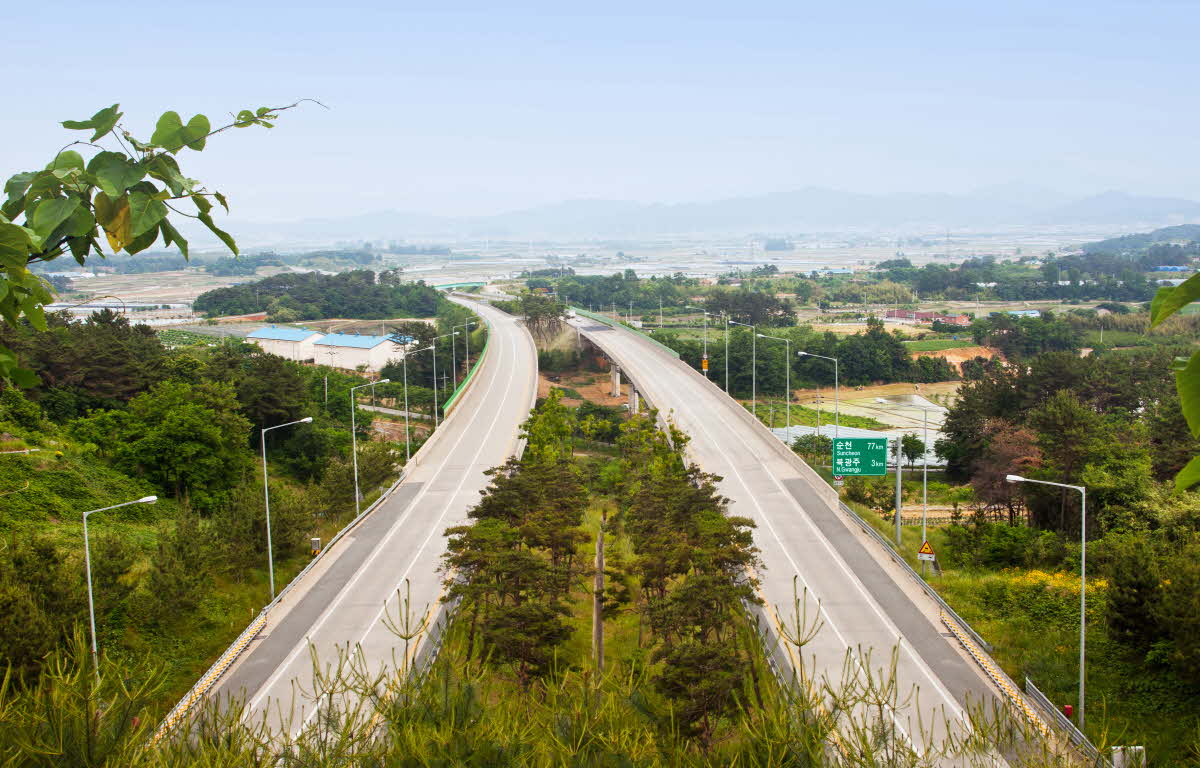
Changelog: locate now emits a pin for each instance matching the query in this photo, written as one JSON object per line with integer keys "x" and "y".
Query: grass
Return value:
{"x": 175, "y": 337}
{"x": 807, "y": 417}
{"x": 936, "y": 345}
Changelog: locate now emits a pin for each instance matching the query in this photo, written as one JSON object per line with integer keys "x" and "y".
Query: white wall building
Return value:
{"x": 350, "y": 350}
{"x": 291, "y": 343}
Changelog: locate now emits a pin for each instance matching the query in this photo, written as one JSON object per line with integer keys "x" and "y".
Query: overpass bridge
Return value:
{"x": 868, "y": 605}
{"x": 343, "y": 603}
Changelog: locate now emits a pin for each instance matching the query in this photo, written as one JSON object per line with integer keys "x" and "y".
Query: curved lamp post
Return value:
{"x": 787, "y": 379}
{"x": 753, "y": 364}
{"x": 836, "y": 416}
{"x": 87, "y": 559}
{"x": 1082, "y": 574}
{"x": 267, "y": 496}
{"x": 354, "y": 439}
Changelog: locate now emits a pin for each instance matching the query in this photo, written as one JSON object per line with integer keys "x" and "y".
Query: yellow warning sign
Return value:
{"x": 704, "y": 363}
{"x": 926, "y": 552}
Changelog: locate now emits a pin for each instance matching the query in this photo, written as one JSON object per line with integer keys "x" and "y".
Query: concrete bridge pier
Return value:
{"x": 633, "y": 400}
{"x": 616, "y": 381}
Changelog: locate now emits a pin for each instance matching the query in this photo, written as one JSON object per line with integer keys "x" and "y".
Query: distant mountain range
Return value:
{"x": 811, "y": 209}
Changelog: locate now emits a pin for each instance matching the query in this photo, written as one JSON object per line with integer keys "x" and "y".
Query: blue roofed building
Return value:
{"x": 285, "y": 341}
{"x": 352, "y": 350}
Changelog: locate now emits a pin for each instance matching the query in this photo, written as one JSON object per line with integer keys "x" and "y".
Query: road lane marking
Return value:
{"x": 380, "y": 548}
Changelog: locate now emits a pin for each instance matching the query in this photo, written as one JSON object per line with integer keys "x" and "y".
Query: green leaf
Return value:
{"x": 1189, "y": 475}
{"x": 165, "y": 169}
{"x": 245, "y": 118}
{"x": 114, "y": 173}
{"x": 202, "y": 203}
{"x": 145, "y": 212}
{"x": 102, "y": 122}
{"x": 1168, "y": 301}
{"x": 140, "y": 244}
{"x": 225, "y": 237}
{"x": 221, "y": 199}
{"x": 195, "y": 133}
{"x": 17, "y": 184}
{"x": 51, "y": 212}
{"x": 172, "y": 135}
{"x": 66, "y": 160}
{"x": 166, "y": 132}
{"x": 171, "y": 235}
{"x": 14, "y": 246}
{"x": 33, "y": 310}
{"x": 1187, "y": 383}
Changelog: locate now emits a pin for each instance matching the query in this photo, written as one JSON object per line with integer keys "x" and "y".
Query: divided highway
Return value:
{"x": 868, "y": 607}
{"x": 346, "y": 600}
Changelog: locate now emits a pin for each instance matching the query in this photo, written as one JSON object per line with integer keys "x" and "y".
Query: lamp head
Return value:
{"x": 147, "y": 500}
{"x": 801, "y": 354}
{"x": 306, "y": 420}
{"x": 384, "y": 381}
{"x": 1014, "y": 479}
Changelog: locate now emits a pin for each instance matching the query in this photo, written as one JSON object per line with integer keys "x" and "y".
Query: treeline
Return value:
{"x": 874, "y": 356}
{"x": 359, "y": 294}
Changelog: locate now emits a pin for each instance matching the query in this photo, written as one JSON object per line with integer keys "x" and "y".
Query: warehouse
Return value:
{"x": 291, "y": 343}
{"x": 351, "y": 350}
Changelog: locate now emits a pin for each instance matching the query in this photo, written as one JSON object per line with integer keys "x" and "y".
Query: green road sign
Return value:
{"x": 860, "y": 456}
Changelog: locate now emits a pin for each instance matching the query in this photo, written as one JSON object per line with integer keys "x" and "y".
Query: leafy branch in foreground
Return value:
{"x": 1167, "y": 302}
{"x": 124, "y": 194}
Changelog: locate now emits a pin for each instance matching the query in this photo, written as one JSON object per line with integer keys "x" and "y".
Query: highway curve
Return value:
{"x": 342, "y": 603}
{"x": 868, "y": 606}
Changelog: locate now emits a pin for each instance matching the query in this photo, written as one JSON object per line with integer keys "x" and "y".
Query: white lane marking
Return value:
{"x": 436, "y": 528}
{"x": 920, "y": 664}
{"x": 380, "y": 548}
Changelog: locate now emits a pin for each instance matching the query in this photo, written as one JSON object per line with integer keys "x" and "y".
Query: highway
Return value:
{"x": 867, "y": 605}
{"x": 347, "y": 600}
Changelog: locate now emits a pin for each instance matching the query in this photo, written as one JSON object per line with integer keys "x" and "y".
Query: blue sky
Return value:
{"x": 478, "y": 108}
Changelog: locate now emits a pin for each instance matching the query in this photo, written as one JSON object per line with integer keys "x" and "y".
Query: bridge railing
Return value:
{"x": 1064, "y": 724}
{"x": 617, "y": 324}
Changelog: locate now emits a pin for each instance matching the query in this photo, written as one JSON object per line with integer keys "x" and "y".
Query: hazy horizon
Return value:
{"x": 476, "y": 111}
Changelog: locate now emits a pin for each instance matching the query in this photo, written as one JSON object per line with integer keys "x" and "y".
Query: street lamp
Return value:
{"x": 753, "y": 364}
{"x": 354, "y": 437}
{"x": 836, "y": 415}
{"x": 87, "y": 558}
{"x": 705, "y": 366}
{"x": 787, "y": 380}
{"x": 464, "y": 326}
{"x": 924, "y": 469}
{"x": 407, "y": 439}
{"x": 267, "y": 494}
{"x": 1082, "y": 575}
{"x": 435, "y": 386}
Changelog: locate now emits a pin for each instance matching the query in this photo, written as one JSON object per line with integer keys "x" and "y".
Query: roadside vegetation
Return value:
{"x": 115, "y": 416}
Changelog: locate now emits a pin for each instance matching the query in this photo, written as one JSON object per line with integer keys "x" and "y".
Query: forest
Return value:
{"x": 358, "y": 294}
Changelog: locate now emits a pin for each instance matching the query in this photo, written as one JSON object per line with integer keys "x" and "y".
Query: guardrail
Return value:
{"x": 618, "y": 324}
{"x": 462, "y": 386}
{"x": 1064, "y": 724}
{"x": 929, "y": 591}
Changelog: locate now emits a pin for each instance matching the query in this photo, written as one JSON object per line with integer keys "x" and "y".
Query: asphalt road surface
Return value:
{"x": 871, "y": 617}
{"x": 343, "y": 608}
